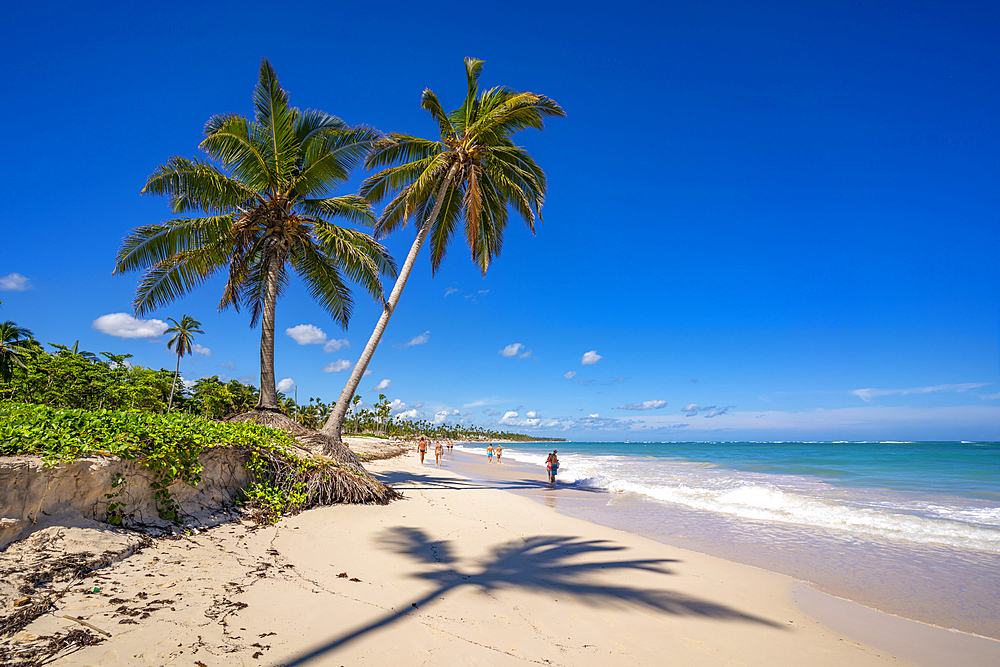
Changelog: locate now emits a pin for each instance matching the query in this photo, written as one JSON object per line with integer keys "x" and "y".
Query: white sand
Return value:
{"x": 455, "y": 574}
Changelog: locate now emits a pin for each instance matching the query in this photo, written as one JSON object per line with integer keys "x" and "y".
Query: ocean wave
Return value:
{"x": 785, "y": 499}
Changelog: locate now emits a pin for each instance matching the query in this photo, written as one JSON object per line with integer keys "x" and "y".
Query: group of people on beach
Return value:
{"x": 439, "y": 448}
{"x": 551, "y": 463}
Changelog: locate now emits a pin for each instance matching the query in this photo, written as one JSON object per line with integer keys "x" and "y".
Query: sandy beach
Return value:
{"x": 462, "y": 572}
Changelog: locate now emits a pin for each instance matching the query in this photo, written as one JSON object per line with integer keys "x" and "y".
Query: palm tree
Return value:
{"x": 182, "y": 342}
{"x": 266, "y": 200}
{"x": 472, "y": 174}
{"x": 15, "y": 343}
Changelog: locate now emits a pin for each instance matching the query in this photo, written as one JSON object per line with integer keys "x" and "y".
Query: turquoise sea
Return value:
{"x": 907, "y": 527}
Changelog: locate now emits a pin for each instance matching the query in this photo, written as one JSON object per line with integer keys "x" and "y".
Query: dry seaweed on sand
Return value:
{"x": 42, "y": 650}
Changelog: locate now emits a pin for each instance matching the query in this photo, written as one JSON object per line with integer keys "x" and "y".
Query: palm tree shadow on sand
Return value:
{"x": 543, "y": 563}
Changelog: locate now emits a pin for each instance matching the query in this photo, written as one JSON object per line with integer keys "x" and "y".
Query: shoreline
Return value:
{"x": 457, "y": 571}
{"x": 922, "y": 641}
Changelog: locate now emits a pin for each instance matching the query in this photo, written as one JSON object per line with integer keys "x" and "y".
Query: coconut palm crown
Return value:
{"x": 182, "y": 342}
{"x": 470, "y": 178}
{"x": 265, "y": 195}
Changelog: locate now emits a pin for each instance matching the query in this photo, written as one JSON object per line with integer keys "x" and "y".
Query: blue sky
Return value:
{"x": 764, "y": 221}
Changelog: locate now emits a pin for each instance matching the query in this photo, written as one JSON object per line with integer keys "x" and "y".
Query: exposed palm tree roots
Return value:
{"x": 325, "y": 480}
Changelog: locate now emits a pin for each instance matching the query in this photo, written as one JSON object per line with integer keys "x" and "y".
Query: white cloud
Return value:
{"x": 408, "y": 414}
{"x": 440, "y": 417}
{"x": 531, "y": 414}
{"x": 337, "y": 366}
{"x": 512, "y": 350}
{"x": 456, "y": 412}
{"x": 201, "y": 349}
{"x": 720, "y": 411}
{"x": 285, "y": 385}
{"x": 593, "y": 416}
{"x": 450, "y": 291}
{"x": 419, "y": 404}
{"x": 124, "y": 325}
{"x": 867, "y": 395}
{"x": 511, "y": 418}
{"x": 570, "y": 375}
{"x": 645, "y": 405}
{"x": 188, "y": 384}
{"x": 590, "y": 358}
{"x": 419, "y": 340}
{"x": 306, "y": 334}
{"x": 14, "y": 282}
{"x": 384, "y": 384}
{"x": 468, "y": 412}
{"x": 333, "y": 345}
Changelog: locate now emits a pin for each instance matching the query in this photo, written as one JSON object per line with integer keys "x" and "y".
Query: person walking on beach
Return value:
{"x": 489, "y": 453}
{"x": 422, "y": 449}
{"x": 438, "y": 453}
{"x": 499, "y": 452}
{"x": 552, "y": 465}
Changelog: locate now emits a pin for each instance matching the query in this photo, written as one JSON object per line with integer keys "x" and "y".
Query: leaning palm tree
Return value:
{"x": 473, "y": 174}
{"x": 15, "y": 345}
{"x": 182, "y": 342}
{"x": 266, "y": 204}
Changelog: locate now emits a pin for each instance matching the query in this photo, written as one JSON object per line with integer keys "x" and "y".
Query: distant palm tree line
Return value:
{"x": 263, "y": 203}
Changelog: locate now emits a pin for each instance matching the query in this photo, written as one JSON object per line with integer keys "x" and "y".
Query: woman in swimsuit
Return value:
{"x": 552, "y": 465}
{"x": 438, "y": 453}
{"x": 499, "y": 452}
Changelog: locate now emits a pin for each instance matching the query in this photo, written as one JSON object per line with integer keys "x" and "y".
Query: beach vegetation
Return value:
{"x": 262, "y": 203}
{"x": 468, "y": 178}
{"x": 282, "y": 479}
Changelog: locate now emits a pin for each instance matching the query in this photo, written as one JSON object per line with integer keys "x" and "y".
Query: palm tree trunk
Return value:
{"x": 335, "y": 423}
{"x": 174, "y": 385}
{"x": 268, "y": 394}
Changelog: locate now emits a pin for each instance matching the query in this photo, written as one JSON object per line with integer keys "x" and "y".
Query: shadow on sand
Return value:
{"x": 543, "y": 563}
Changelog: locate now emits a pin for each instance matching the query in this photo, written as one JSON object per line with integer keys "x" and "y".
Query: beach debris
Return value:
{"x": 85, "y": 623}
{"x": 342, "y": 575}
{"x": 44, "y": 649}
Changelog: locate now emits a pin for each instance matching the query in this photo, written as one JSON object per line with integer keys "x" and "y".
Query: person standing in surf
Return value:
{"x": 489, "y": 453}
{"x": 552, "y": 465}
{"x": 499, "y": 452}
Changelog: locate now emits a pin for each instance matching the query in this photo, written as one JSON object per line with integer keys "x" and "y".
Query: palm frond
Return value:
{"x": 352, "y": 207}
{"x": 195, "y": 185}
{"x": 152, "y": 244}
{"x": 329, "y": 157}
{"x": 276, "y": 120}
{"x": 430, "y": 102}
{"x": 399, "y": 147}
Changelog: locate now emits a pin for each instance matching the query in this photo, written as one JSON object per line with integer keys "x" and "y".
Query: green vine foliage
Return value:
{"x": 168, "y": 445}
